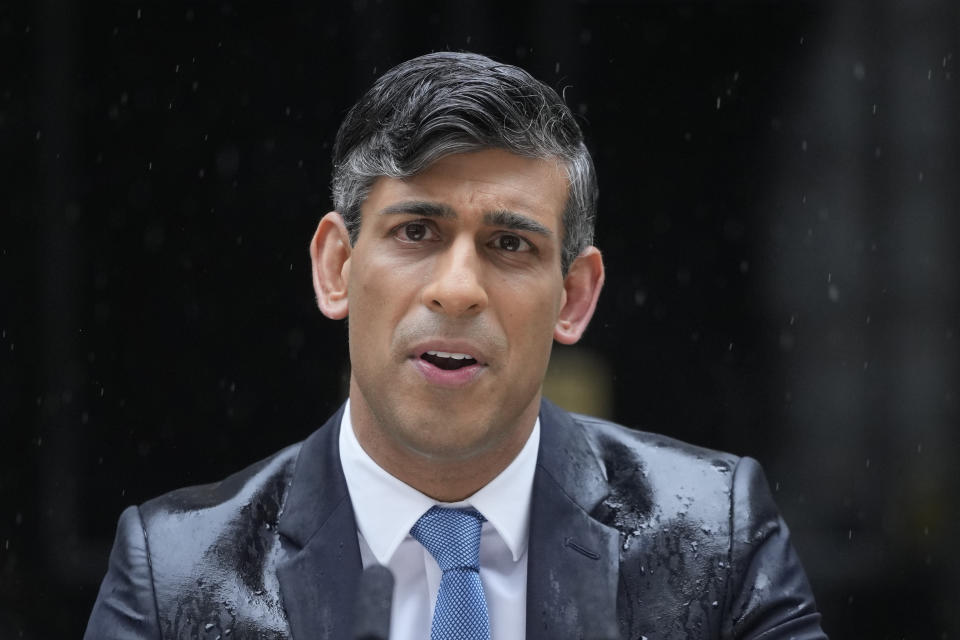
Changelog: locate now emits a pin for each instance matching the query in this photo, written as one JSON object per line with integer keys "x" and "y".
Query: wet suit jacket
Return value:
{"x": 632, "y": 535}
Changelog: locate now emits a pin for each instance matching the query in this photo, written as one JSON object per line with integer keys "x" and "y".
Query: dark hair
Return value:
{"x": 444, "y": 103}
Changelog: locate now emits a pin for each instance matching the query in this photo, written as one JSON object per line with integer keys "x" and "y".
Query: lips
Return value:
{"x": 448, "y": 361}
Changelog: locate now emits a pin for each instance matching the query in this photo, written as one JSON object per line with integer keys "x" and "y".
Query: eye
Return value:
{"x": 413, "y": 231}
{"x": 511, "y": 243}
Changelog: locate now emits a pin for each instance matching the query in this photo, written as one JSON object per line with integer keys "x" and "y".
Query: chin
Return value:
{"x": 439, "y": 438}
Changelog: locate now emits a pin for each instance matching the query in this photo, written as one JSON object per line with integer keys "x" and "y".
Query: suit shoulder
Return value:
{"x": 263, "y": 480}
{"x": 212, "y": 551}
{"x": 188, "y": 523}
{"x": 609, "y": 438}
{"x": 653, "y": 479}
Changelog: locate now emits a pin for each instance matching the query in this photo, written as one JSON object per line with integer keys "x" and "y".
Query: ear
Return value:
{"x": 330, "y": 256}
{"x": 581, "y": 289}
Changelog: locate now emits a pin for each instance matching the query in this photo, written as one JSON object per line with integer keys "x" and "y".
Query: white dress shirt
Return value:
{"x": 386, "y": 508}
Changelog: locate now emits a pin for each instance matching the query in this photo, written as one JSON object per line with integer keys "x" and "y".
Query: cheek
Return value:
{"x": 366, "y": 278}
{"x": 530, "y": 324}
{"x": 362, "y": 295}
{"x": 379, "y": 298}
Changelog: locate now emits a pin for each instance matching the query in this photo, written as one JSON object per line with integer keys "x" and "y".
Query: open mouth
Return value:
{"x": 448, "y": 361}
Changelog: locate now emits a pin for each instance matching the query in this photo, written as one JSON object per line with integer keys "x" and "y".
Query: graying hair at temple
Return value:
{"x": 445, "y": 103}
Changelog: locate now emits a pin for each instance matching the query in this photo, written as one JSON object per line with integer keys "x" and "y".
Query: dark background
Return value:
{"x": 778, "y": 212}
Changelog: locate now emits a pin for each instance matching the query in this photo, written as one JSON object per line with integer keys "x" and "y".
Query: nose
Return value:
{"x": 456, "y": 287}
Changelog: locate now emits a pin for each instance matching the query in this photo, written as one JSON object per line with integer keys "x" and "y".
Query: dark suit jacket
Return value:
{"x": 632, "y": 535}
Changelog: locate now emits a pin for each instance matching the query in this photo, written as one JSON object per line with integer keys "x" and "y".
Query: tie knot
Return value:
{"x": 452, "y": 536}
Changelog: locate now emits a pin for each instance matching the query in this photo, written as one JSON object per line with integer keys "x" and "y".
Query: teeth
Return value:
{"x": 455, "y": 356}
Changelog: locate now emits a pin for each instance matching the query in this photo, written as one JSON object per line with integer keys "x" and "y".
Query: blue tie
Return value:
{"x": 452, "y": 536}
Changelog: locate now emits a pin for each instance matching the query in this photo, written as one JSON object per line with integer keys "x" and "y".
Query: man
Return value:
{"x": 460, "y": 249}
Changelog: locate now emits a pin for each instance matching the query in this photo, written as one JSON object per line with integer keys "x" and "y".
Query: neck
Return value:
{"x": 445, "y": 476}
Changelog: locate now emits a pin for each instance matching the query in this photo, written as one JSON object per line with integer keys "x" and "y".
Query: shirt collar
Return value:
{"x": 386, "y": 508}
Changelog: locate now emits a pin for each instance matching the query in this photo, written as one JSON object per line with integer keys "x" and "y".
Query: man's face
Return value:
{"x": 454, "y": 288}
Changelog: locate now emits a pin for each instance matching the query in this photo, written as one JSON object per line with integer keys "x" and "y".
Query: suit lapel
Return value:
{"x": 573, "y": 566}
{"x": 318, "y": 581}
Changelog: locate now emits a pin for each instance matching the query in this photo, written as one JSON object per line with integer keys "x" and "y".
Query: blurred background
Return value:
{"x": 779, "y": 216}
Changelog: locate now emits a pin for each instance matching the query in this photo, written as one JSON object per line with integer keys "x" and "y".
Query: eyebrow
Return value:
{"x": 516, "y": 222}
{"x": 499, "y": 218}
{"x": 420, "y": 208}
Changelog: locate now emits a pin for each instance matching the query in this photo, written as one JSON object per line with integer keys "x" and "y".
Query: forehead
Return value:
{"x": 482, "y": 181}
